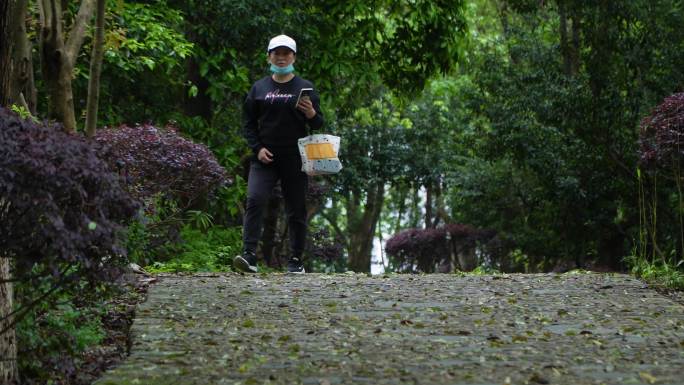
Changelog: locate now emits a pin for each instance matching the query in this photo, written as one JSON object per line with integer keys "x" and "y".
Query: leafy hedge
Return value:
{"x": 61, "y": 208}
{"x": 62, "y": 216}
{"x": 429, "y": 250}
{"x": 160, "y": 161}
{"x": 661, "y": 211}
{"x": 171, "y": 175}
{"x": 662, "y": 134}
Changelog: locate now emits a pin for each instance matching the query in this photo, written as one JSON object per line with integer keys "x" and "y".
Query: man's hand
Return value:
{"x": 306, "y": 107}
{"x": 265, "y": 156}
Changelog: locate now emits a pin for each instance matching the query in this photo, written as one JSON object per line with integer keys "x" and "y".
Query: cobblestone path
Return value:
{"x": 569, "y": 329}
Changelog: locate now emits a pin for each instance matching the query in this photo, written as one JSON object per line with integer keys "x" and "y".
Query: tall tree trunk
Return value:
{"x": 95, "y": 70}
{"x": 22, "y": 63}
{"x": 58, "y": 57}
{"x": 564, "y": 45}
{"x": 440, "y": 205}
{"x": 200, "y": 104}
{"x": 5, "y": 54}
{"x": 401, "y": 210}
{"x": 428, "y": 205}
{"x": 575, "y": 52}
{"x": 569, "y": 45}
{"x": 414, "y": 213}
{"x": 8, "y": 343}
{"x": 362, "y": 230}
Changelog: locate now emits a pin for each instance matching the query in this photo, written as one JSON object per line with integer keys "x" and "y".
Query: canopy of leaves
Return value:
{"x": 143, "y": 37}
{"x": 556, "y": 118}
{"x": 379, "y": 152}
{"x": 144, "y": 63}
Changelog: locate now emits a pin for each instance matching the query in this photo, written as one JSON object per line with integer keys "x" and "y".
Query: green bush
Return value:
{"x": 173, "y": 176}
{"x": 52, "y": 340}
{"x": 658, "y": 273}
{"x": 210, "y": 250}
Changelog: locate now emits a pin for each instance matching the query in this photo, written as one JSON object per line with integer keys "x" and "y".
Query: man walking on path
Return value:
{"x": 273, "y": 122}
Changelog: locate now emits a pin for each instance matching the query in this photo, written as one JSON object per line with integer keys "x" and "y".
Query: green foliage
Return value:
{"x": 345, "y": 48}
{"x": 658, "y": 272}
{"x": 230, "y": 54}
{"x": 378, "y": 153}
{"x": 400, "y": 44}
{"x": 143, "y": 37}
{"x": 23, "y": 112}
{"x": 52, "y": 339}
{"x": 137, "y": 242}
{"x": 212, "y": 249}
{"x": 78, "y": 329}
{"x": 143, "y": 68}
{"x": 433, "y": 134}
{"x": 233, "y": 197}
{"x": 199, "y": 219}
{"x": 554, "y": 144}
{"x": 229, "y": 148}
{"x": 478, "y": 271}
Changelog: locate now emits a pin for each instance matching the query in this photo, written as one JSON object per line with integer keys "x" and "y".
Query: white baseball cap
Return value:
{"x": 282, "y": 41}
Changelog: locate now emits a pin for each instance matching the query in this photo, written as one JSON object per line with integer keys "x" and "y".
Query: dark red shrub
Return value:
{"x": 322, "y": 246}
{"x": 160, "y": 161}
{"x": 61, "y": 208}
{"x": 169, "y": 174}
{"x": 426, "y": 250}
{"x": 662, "y": 134}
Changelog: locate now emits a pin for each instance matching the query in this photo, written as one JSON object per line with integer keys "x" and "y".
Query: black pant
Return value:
{"x": 260, "y": 183}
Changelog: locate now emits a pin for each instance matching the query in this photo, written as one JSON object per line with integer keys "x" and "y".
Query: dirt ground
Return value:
{"x": 404, "y": 329}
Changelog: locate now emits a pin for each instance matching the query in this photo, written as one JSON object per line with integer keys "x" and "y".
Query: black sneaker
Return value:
{"x": 294, "y": 265}
{"x": 246, "y": 262}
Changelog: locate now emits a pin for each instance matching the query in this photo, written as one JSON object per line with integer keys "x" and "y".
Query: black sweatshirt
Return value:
{"x": 271, "y": 119}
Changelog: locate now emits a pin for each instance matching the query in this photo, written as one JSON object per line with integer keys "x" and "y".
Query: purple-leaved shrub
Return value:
{"x": 160, "y": 161}
{"x": 426, "y": 250}
{"x": 61, "y": 208}
{"x": 662, "y": 134}
{"x": 169, "y": 174}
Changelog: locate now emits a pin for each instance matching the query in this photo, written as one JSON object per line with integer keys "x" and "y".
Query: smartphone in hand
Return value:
{"x": 304, "y": 93}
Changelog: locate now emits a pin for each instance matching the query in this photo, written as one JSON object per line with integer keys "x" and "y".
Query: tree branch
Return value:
{"x": 337, "y": 229}
{"x": 77, "y": 34}
{"x": 17, "y": 315}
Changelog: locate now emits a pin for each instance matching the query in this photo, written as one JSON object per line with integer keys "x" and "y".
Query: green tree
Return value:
{"x": 95, "y": 70}
{"x": 348, "y": 49}
{"x": 435, "y": 141}
{"x": 558, "y": 94}
{"x": 59, "y": 50}
{"x": 372, "y": 163}
{"x": 8, "y": 344}
{"x": 143, "y": 66}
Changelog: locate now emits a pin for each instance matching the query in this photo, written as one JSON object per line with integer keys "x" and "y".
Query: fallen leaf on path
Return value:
{"x": 647, "y": 377}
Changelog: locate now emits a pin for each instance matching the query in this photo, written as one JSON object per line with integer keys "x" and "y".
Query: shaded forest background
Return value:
{"x": 488, "y": 135}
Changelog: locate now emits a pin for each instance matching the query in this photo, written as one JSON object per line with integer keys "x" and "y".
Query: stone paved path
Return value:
{"x": 404, "y": 329}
